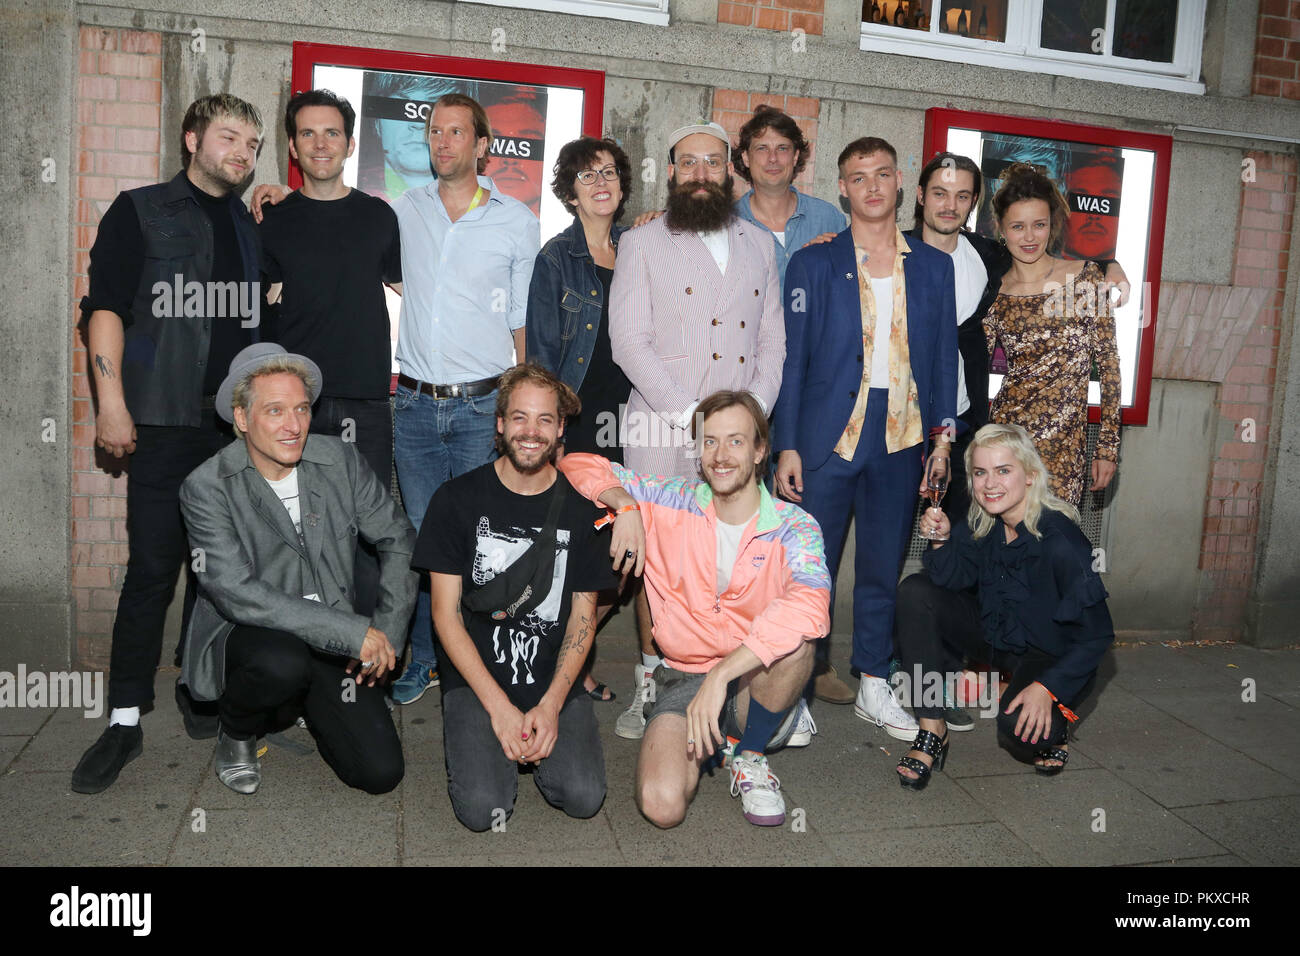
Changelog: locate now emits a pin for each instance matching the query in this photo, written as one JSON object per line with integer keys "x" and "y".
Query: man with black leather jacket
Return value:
{"x": 174, "y": 296}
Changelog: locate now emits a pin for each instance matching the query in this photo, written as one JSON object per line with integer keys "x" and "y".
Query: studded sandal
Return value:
{"x": 1051, "y": 753}
{"x": 934, "y": 747}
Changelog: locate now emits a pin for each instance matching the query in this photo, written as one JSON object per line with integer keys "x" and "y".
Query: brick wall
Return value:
{"x": 1230, "y": 335}
{"x": 119, "y": 96}
{"x": 733, "y": 108}
{"x": 780, "y": 15}
{"x": 1277, "y": 50}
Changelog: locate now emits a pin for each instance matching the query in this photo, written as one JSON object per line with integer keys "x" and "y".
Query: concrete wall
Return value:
{"x": 656, "y": 78}
{"x": 36, "y": 93}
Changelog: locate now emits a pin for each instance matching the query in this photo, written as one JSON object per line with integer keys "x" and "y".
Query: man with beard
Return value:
{"x": 156, "y": 365}
{"x": 695, "y": 308}
{"x": 514, "y": 566}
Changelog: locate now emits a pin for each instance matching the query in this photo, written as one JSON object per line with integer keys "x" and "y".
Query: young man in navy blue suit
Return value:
{"x": 870, "y": 374}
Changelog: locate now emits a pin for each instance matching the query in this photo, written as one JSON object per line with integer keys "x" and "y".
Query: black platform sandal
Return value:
{"x": 1051, "y": 753}
{"x": 934, "y": 747}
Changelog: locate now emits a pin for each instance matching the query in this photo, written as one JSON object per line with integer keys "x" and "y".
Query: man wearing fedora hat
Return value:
{"x": 273, "y": 521}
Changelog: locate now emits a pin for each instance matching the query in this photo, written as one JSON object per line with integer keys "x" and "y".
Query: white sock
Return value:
{"x": 651, "y": 661}
{"x": 126, "y": 716}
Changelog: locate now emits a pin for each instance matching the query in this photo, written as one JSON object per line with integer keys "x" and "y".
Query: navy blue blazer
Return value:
{"x": 823, "y": 344}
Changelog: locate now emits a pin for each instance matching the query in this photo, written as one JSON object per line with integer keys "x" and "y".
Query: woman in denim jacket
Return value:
{"x": 568, "y": 301}
{"x": 568, "y": 306}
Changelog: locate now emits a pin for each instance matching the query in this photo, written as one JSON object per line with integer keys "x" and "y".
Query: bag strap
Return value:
{"x": 517, "y": 590}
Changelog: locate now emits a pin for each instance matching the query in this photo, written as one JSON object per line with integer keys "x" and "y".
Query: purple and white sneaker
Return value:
{"x": 758, "y": 788}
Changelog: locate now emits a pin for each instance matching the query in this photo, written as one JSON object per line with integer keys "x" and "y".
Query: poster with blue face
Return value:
{"x": 529, "y": 124}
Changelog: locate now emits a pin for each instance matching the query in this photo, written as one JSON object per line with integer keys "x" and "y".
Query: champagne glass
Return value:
{"x": 936, "y": 485}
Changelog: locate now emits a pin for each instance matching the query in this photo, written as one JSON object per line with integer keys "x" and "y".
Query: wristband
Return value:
{"x": 1066, "y": 712}
{"x": 609, "y": 516}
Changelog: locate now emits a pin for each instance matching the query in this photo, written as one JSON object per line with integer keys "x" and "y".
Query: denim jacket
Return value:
{"x": 564, "y": 305}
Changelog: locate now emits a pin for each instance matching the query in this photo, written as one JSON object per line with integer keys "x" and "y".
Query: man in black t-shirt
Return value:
{"x": 174, "y": 295}
{"x": 327, "y": 250}
{"x": 515, "y": 623}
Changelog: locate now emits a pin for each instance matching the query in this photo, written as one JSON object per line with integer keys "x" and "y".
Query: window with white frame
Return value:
{"x": 642, "y": 11}
{"x": 1151, "y": 43}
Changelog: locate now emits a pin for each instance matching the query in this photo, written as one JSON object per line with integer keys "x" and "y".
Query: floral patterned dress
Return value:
{"x": 1050, "y": 341}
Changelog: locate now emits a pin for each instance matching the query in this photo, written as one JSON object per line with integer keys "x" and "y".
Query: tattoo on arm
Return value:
{"x": 582, "y": 624}
{"x": 104, "y": 365}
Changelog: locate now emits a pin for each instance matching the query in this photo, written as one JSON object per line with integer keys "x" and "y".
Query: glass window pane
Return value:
{"x": 1075, "y": 26}
{"x": 981, "y": 19}
{"x": 1144, "y": 29}
{"x": 908, "y": 14}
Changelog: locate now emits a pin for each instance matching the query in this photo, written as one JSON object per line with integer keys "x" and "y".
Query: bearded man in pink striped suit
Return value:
{"x": 695, "y": 308}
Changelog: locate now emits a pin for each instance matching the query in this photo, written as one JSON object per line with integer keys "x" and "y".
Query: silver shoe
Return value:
{"x": 236, "y": 763}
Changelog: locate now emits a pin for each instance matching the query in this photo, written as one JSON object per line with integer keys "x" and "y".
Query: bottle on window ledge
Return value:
{"x": 963, "y": 24}
{"x": 899, "y": 19}
{"x": 982, "y": 30}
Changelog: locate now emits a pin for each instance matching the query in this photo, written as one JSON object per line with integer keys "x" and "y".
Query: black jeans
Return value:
{"x": 368, "y": 423}
{"x": 157, "y": 548}
{"x": 272, "y": 677}
{"x": 937, "y": 627}
{"x": 483, "y": 782}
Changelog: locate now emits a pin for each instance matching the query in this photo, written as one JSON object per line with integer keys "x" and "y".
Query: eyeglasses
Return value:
{"x": 589, "y": 176}
{"x": 712, "y": 163}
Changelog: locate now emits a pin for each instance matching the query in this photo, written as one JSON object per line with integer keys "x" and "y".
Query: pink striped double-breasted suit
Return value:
{"x": 681, "y": 330}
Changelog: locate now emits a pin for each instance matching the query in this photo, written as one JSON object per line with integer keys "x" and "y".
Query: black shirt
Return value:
{"x": 333, "y": 258}
{"x": 604, "y": 389}
{"x": 117, "y": 262}
{"x": 477, "y": 527}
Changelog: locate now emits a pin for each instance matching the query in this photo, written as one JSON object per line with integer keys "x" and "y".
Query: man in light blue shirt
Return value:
{"x": 467, "y": 260}
{"x": 772, "y": 152}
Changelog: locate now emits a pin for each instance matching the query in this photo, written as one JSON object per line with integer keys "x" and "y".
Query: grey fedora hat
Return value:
{"x": 250, "y": 359}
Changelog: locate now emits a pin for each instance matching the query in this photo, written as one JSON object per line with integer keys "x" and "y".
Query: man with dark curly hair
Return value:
{"x": 772, "y": 152}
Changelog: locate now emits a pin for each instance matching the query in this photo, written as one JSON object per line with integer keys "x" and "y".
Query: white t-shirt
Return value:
{"x": 719, "y": 246}
{"x": 286, "y": 489}
{"x": 972, "y": 278}
{"x": 780, "y": 236}
{"x": 883, "y": 290}
{"x": 729, "y": 536}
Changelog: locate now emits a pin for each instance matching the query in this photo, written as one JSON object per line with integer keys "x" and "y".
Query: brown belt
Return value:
{"x": 463, "y": 390}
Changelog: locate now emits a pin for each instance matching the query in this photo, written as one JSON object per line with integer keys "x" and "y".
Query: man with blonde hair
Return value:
{"x": 273, "y": 521}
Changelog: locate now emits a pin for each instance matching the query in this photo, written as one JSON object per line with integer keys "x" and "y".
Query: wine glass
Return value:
{"x": 936, "y": 485}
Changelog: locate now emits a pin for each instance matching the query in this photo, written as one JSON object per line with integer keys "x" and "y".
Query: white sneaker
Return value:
{"x": 804, "y": 726}
{"x": 876, "y": 702}
{"x": 759, "y": 790}
{"x": 631, "y": 723}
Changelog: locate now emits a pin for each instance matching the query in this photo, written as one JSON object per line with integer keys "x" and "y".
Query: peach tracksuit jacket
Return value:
{"x": 779, "y": 594}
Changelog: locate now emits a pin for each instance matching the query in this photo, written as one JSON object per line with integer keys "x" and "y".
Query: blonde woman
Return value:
{"x": 1039, "y": 610}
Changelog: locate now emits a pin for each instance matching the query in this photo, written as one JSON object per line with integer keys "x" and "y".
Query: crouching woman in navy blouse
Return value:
{"x": 1040, "y": 612}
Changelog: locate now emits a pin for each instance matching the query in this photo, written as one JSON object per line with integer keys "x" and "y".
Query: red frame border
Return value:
{"x": 938, "y": 120}
{"x": 306, "y": 56}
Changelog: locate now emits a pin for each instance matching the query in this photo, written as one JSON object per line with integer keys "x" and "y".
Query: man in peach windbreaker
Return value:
{"x": 738, "y": 584}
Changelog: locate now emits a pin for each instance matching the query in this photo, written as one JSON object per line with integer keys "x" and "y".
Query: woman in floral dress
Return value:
{"x": 1053, "y": 319}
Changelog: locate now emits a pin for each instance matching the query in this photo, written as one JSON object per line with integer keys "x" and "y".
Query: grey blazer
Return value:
{"x": 252, "y": 570}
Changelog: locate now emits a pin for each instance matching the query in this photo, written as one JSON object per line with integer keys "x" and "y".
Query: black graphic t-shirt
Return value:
{"x": 477, "y": 527}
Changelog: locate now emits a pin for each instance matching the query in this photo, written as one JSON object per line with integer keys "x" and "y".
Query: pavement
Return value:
{"x": 1185, "y": 755}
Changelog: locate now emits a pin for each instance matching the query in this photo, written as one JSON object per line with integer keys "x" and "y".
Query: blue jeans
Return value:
{"x": 435, "y": 439}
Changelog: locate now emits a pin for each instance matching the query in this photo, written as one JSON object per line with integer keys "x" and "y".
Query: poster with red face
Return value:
{"x": 518, "y": 116}
{"x": 1114, "y": 183}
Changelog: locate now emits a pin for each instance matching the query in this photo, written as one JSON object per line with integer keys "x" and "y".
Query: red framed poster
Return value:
{"x": 533, "y": 110}
{"x": 1117, "y": 185}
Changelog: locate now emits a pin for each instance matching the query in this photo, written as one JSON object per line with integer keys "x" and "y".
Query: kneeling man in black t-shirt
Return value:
{"x": 514, "y": 568}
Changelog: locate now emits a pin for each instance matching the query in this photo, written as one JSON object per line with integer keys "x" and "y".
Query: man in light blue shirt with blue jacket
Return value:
{"x": 467, "y": 259}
